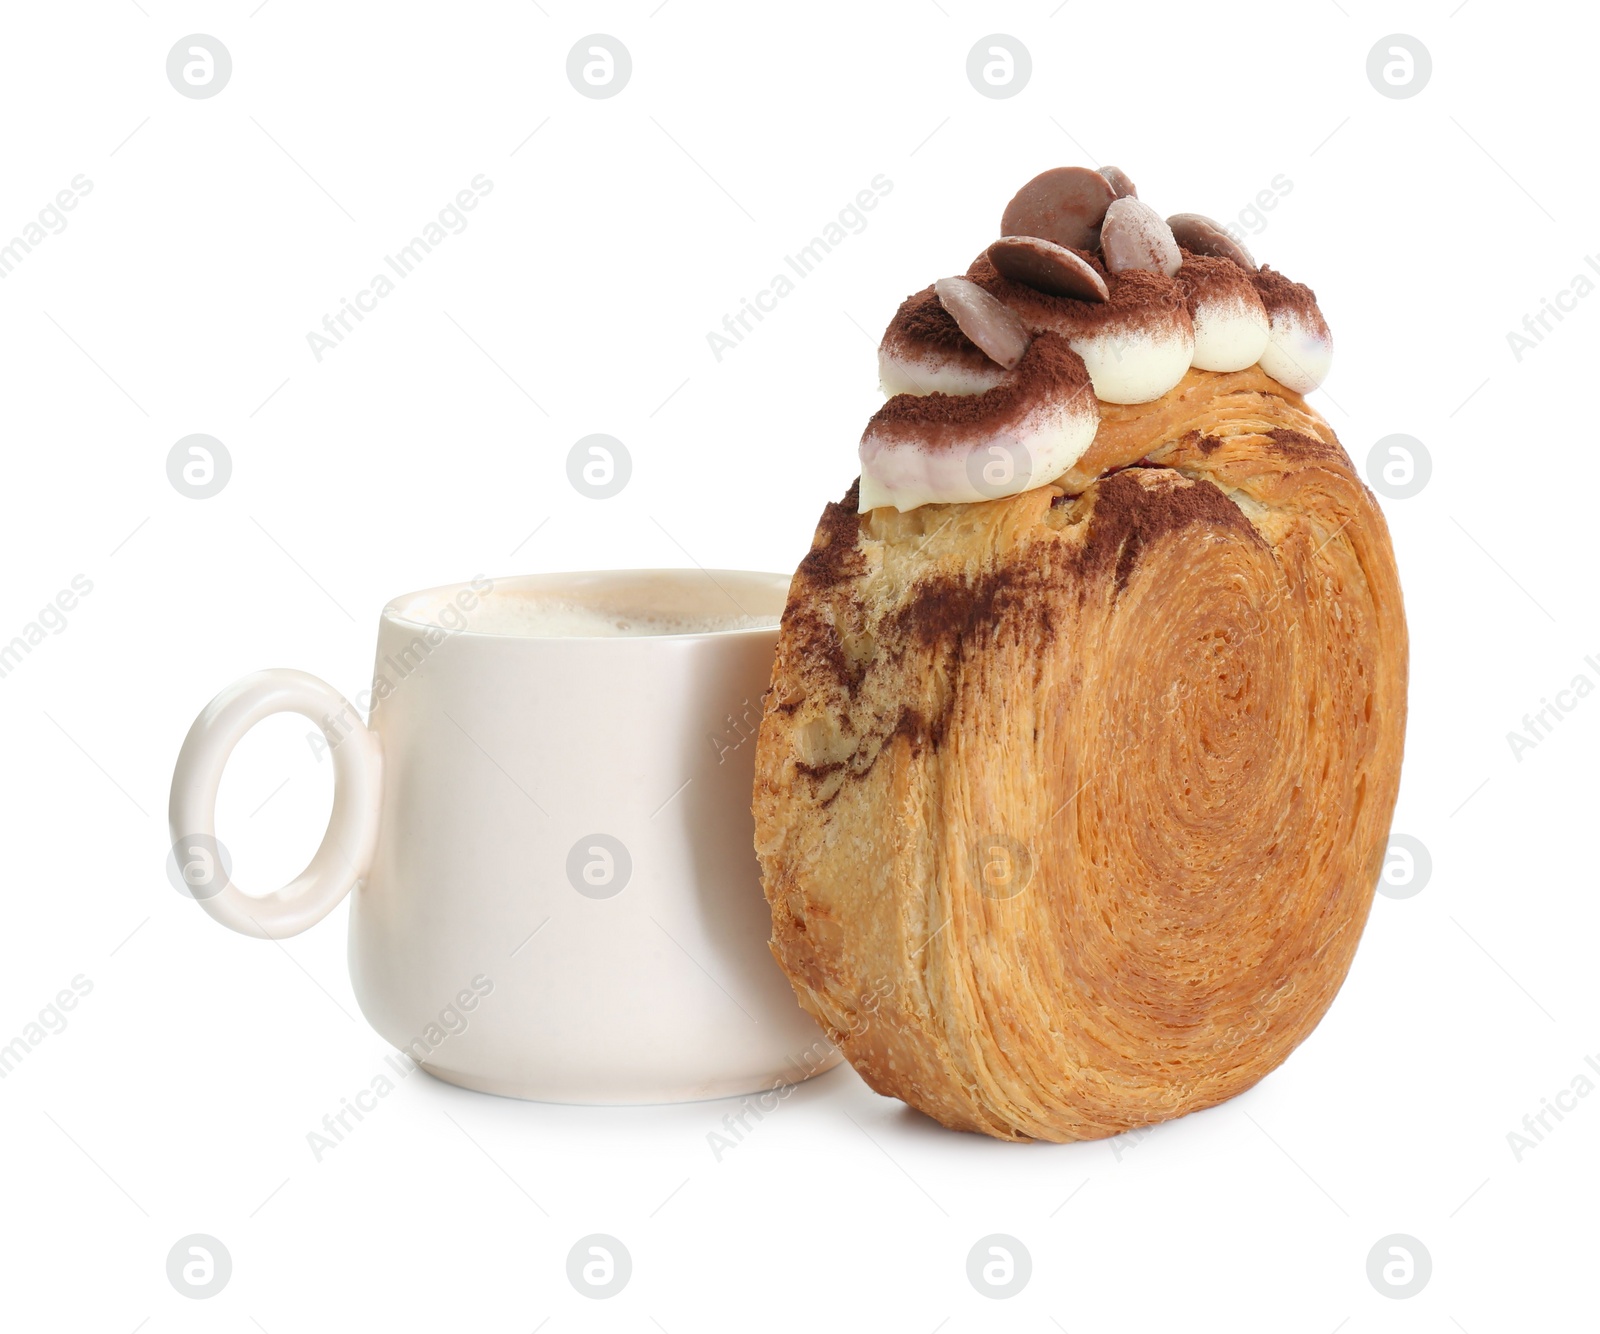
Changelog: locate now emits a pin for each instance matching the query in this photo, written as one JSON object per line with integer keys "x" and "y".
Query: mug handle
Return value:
{"x": 345, "y": 853}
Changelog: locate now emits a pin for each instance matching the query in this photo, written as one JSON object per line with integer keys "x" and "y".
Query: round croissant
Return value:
{"x": 1070, "y": 806}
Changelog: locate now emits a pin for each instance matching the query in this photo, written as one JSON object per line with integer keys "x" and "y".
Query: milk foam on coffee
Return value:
{"x": 610, "y": 605}
{"x": 536, "y": 617}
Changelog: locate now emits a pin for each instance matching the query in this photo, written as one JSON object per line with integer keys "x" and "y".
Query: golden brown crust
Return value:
{"x": 1070, "y": 807}
{"x": 1206, "y": 401}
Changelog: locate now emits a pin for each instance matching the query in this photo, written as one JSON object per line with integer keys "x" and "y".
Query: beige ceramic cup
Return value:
{"x": 548, "y": 835}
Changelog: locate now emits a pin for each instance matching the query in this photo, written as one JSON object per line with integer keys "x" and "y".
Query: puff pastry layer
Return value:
{"x": 1070, "y": 806}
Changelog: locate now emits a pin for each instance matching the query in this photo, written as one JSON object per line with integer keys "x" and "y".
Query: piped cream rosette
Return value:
{"x": 1138, "y": 300}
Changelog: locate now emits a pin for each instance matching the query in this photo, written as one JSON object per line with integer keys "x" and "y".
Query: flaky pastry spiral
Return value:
{"x": 1070, "y": 805}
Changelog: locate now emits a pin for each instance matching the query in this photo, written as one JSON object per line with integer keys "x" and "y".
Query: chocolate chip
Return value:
{"x": 1047, "y": 267}
{"x": 1064, "y": 205}
{"x": 987, "y": 321}
{"x": 1118, "y": 180}
{"x": 1197, "y": 233}
{"x": 1133, "y": 236}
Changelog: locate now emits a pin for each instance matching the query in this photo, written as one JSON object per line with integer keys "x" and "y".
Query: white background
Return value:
{"x": 432, "y": 442}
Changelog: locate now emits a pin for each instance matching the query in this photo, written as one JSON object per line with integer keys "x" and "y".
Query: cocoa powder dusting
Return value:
{"x": 1216, "y": 277}
{"x": 1139, "y": 299}
{"x": 1049, "y": 371}
{"x": 922, "y": 321}
{"x": 816, "y": 640}
{"x": 1282, "y": 294}
{"x": 1139, "y": 294}
{"x": 1034, "y": 306}
{"x": 956, "y": 615}
{"x": 948, "y": 611}
{"x": 1296, "y": 445}
{"x": 834, "y": 555}
{"x": 1130, "y": 515}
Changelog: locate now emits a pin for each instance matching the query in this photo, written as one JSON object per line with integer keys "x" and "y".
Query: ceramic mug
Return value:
{"x": 546, "y": 824}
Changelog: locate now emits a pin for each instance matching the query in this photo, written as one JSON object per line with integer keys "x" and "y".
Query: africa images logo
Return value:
{"x": 851, "y": 220}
